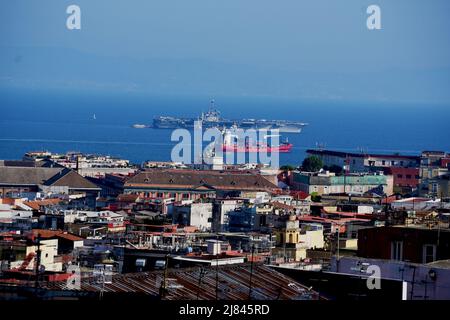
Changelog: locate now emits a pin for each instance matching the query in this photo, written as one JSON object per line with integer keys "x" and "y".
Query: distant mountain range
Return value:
{"x": 56, "y": 68}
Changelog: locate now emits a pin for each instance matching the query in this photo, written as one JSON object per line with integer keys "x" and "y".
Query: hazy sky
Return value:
{"x": 305, "y": 48}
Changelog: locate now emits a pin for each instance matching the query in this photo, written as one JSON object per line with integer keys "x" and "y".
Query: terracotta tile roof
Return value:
{"x": 127, "y": 197}
{"x": 192, "y": 179}
{"x": 69, "y": 236}
{"x": 35, "y": 205}
{"x": 299, "y": 195}
{"x": 283, "y": 206}
{"x": 52, "y": 234}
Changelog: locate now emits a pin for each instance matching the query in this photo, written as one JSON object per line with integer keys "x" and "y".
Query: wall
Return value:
{"x": 420, "y": 286}
{"x": 376, "y": 242}
{"x": 220, "y": 213}
{"x": 201, "y": 216}
{"x": 312, "y": 239}
{"x": 49, "y": 250}
{"x": 196, "y": 214}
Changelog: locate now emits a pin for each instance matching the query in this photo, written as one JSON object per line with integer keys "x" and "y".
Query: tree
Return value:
{"x": 312, "y": 164}
{"x": 315, "y": 197}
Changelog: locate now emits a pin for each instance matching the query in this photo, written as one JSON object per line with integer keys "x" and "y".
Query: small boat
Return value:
{"x": 140, "y": 126}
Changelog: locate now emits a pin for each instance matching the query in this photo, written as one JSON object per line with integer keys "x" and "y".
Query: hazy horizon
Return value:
{"x": 290, "y": 49}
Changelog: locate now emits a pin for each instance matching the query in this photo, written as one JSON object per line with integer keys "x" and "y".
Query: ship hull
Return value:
{"x": 212, "y": 119}
{"x": 176, "y": 123}
{"x": 253, "y": 149}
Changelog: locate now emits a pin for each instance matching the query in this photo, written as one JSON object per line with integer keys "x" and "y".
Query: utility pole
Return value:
{"x": 337, "y": 258}
{"x": 200, "y": 278}
{"x": 102, "y": 291}
{"x": 346, "y": 170}
{"x": 412, "y": 283}
{"x": 163, "y": 289}
{"x": 251, "y": 274}
{"x": 38, "y": 260}
{"x": 439, "y": 227}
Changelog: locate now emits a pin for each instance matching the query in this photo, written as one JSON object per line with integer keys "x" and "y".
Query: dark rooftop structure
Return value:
{"x": 360, "y": 155}
{"x": 233, "y": 283}
{"x": 412, "y": 243}
{"x": 35, "y": 178}
{"x": 191, "y": 179}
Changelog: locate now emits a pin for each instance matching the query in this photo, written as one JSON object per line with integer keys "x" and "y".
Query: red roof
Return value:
{"x": 35, "y": 205}
{"x": 49, "y": 234}
{"x": 299, "y": 195}
{"x": 349, "y": 214}
{"x": 127, "y": 198}
{"x": 283, "y": 206}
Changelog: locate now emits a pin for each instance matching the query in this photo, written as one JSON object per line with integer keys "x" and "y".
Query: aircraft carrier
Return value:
{"x": 213, "y": 119}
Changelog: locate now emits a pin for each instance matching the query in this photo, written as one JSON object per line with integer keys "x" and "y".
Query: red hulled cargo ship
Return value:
{"x": 283, "y": 148}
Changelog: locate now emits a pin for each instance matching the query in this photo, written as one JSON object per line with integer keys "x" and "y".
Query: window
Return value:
{"x": 392, "y": 163}
{"x": 401, "y": 163}
{"x": 399, "y": 176}
{"x": 185, "y": 195}
{"x": 429, "y": 253}
{"x": 397, "y": 250}
{"x": 408, "y": 176}
{"x": 383, "y": 162}
{"x": 434, "y": 188}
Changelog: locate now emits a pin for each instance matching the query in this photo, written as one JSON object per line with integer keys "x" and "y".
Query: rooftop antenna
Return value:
{"x": 77, "y": 163}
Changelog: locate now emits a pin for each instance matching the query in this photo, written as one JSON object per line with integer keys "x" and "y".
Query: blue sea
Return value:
{"x": 64, "y": 121}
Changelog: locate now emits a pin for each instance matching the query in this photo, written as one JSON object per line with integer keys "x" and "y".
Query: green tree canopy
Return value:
{"x": 312, "y": 164}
